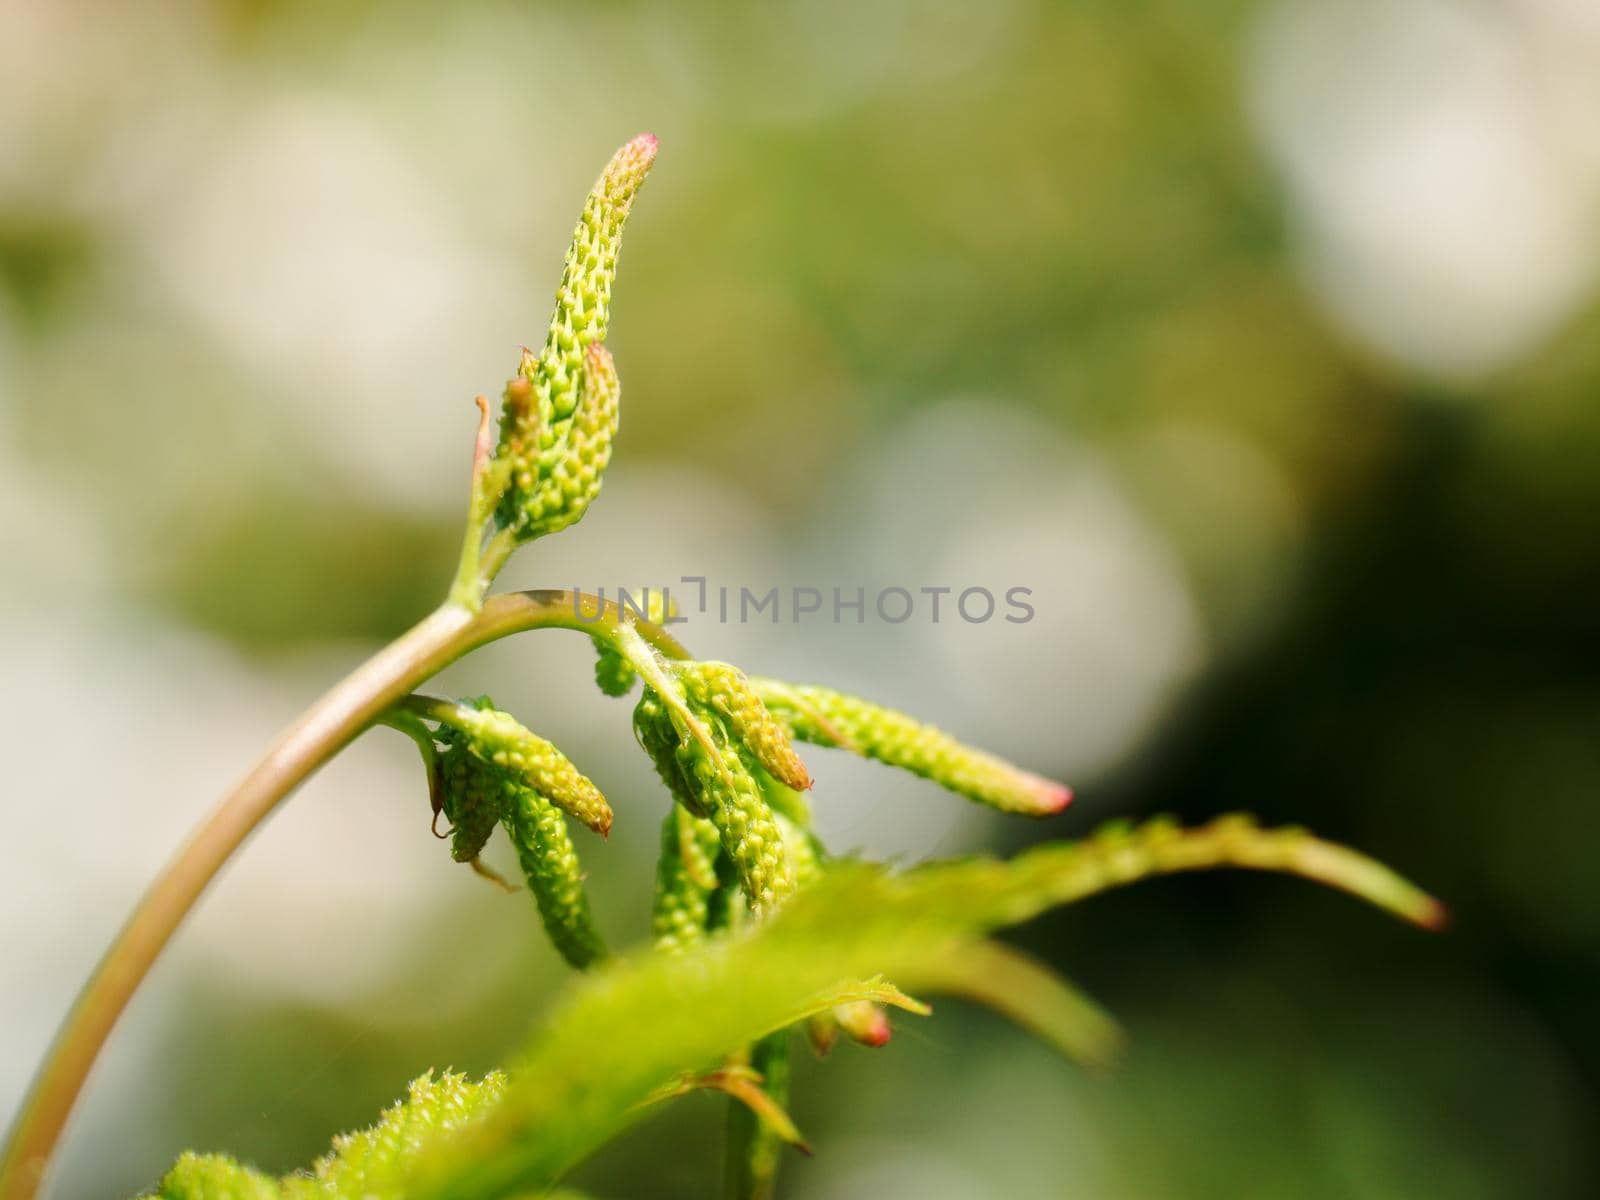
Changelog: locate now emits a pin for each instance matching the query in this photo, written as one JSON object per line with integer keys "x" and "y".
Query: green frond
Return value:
{"x": 519, "y": 755}
{"x": 750, "y": 835}
{"x": 583, "y": 299}
{"x": 560, "y": 413}
{"x": 654, "y": 731}
{"x": 471, "y": 797}
{"x": 685, "y": 878}
{"x": 638, "y": 1023}
{"x": 718, "y": 783}
{"x": 829, "y": 718}
{"x": 571, "y": 479}
{"x": 555, "y": 876}
{"x": 1120, "y": 854}
{"x": 378, "y": 1161}
{"x": 723, "y": 689}
{"x": 580, "y": 1079}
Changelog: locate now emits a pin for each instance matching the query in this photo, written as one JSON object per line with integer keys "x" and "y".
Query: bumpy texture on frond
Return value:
{"x": 376, "y": 1162}
{"x": 723, "y": 689}
{"x": 372, "y": 1164}
{"x": 718, "y": 784}
{"x": 560, "y": 414}
{"x": 497, "y": 739}
{"x": 583, "y": 300}
{"x": 555, "y": 877}
{"x": 215, "y": 1177}
{"x": 830, "y": 718}
{"x": 733, "y": 802}
{"x": 570, "y": 477}
{"x": 472, "y": 798}
{"x": 484, "y": 775}
{"x": 803, "y": 849}
{"x": 685, "y": 878}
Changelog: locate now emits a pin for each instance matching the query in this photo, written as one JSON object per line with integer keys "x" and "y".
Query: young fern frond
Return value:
{"x": 723, "y": 689}
{"x": 578, "y": 1085}
{"x": 647, "y": 1021}
{"x": 756, "y": 930}
{"x": 561, "y": 412}
{"x": 517, "y": 754}
{"x": 829, "y": 718}
{"x": 555, "y": 877}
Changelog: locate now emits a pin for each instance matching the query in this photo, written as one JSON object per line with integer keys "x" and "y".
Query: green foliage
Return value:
{"x": 641, "y": 1022}
{"x": 757, "y": 932}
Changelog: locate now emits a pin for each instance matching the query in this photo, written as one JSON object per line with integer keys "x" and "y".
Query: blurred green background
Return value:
{"x": 1259, "y": 339}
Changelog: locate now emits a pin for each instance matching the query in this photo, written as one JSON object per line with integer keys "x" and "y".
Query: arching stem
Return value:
{"x": 330, "y": 724}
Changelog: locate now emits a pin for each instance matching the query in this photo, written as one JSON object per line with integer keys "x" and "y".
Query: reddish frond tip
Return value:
{"x": 633, "y": 159}
{"x": 865, "y": 1023}
{"x": 1039, "y": 797}
{"x": 1436, "y": 917}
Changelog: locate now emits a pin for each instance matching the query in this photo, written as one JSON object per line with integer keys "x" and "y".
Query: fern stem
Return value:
{"x": 330, "y": 724}
{"x": 754, "y": 1147}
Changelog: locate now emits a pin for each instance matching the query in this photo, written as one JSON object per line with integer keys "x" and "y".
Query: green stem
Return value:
{"x": 754, "y": 1147}
{"x": 324, "y": 729}
{"x": 499, "y": 548}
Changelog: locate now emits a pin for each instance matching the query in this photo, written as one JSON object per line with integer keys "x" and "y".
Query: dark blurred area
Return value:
{"x": 1260, "y": 340}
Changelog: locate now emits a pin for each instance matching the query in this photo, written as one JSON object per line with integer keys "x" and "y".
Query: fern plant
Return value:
{"x": 760, "y": 936}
